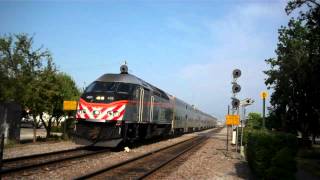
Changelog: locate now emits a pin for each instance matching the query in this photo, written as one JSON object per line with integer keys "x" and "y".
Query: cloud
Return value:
{"x": 242, "y": 39}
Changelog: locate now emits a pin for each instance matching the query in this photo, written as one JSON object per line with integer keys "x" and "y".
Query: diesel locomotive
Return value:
{"x": 122, "y": 107}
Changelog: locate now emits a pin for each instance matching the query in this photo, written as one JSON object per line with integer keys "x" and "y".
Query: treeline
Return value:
{"x": 294, "y": 76}
{"x": 28, "y": 76}
{"x": 295, "y": 72}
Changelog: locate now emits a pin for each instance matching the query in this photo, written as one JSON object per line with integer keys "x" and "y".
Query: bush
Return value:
{"x": 282, "y": 165}
{"x": 271, "y": 155}
{"x": 254, "y": 121}
{"x": 246, "y": 132}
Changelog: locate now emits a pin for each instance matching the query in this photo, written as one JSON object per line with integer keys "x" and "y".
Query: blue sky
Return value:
{"x": 187, "y": 48}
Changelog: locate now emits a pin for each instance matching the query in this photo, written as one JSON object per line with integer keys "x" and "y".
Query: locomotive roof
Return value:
{"x": 129, "y": 78}
{"x": 125, "y": 78}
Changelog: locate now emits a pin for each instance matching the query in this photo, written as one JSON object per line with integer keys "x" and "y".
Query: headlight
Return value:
{"x": 82, "y": 111}
{"x": 110, "y": 113}
{"x": 115, "y": 113}
{"x": 96, "y": 112}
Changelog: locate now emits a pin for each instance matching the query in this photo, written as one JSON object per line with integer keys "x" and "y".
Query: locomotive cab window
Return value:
{"x": 101, "y": 87}
{"x": 126, "y": 91}
{"x": 124, "y": 88}
{"x": 110, "y": 91}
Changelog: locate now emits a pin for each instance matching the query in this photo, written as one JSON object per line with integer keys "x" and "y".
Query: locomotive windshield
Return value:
{"x": 101, "y": 87}
{"x": 111, "y": 91}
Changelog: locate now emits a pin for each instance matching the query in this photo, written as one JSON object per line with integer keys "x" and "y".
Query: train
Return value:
{"x": 120, "y": 108}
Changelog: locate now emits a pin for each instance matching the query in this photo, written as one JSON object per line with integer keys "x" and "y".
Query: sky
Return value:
{"x": 184, "y": 47}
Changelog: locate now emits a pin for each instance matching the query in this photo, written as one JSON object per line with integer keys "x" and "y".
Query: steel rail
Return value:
{"x": 53, "y": 161}
{"x": 151, "y": 171}
{"x": 123, "y": 163}
{"x": 103, "y": 170}
{"x": 32, "y": 156}
{"x": 148, "y": 173}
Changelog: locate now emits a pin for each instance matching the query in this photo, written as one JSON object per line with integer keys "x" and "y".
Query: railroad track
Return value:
{"x": 17, "y": 164}
{"x": 146, "y": 164}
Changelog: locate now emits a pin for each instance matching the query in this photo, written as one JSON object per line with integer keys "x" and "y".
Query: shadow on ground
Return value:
{"x": 243, "y": 170}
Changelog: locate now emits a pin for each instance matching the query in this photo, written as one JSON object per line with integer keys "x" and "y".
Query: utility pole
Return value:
{"x": 228, "y": 130}
{"x": 264, "y": 112}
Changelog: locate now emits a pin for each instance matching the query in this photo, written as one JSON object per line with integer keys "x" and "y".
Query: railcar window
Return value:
{"x": 101, "y": 87}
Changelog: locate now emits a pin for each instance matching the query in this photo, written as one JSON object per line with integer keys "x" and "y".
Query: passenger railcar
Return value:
{"x": 122, "y": 107}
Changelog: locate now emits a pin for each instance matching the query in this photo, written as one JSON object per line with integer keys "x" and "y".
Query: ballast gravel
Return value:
{"x": 209, "y": 162}
{"x": 37, "y": 148}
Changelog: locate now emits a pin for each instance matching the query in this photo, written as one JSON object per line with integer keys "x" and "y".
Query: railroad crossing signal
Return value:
{"x": 264, "y": 94}
{"x": 235, "y": 103}
{"x": 236, "y": 88}
{"x": 232, "y": 119}
{"x": 69, "y": 105}
{"x": 236, "y": 73}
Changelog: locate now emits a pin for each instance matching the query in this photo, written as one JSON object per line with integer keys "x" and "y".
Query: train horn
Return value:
{"x": 124, "y": 69}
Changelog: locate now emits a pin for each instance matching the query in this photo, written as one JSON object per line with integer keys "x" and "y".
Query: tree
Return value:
{"x": 30, "y": 77}
{"x": 295, "y": 72}
{"x": 20, "y": 66}
{"x": 254, "y": 121}
{"x": 62, "y": 87}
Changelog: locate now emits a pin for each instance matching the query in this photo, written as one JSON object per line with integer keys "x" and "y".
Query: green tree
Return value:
{"x": 295, "y": 72}
{"x": 60, "y": 87}
{"x": 30, "y": 77}
{"x": 67, "y": 91}
{"x": 254, "y": 121}
{"x": 20, "y": 66}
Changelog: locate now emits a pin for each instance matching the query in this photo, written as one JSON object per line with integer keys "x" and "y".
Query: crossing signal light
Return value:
{"x": 236, "y": 88}
{"x": 235, "y": 102}
{"x": 236, "y": 73}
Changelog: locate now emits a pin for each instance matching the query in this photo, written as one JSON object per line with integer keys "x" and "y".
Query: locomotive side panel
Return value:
{"x": 162, "y": 108}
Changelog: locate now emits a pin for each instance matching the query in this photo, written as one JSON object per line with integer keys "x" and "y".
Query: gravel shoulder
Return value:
{"x": 212, "y": 161}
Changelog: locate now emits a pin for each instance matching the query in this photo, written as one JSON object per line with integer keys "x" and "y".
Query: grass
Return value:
{"x": 10, "y": 144}
{"x": 52, "y": 137}
{"x": 309, "y": 160}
